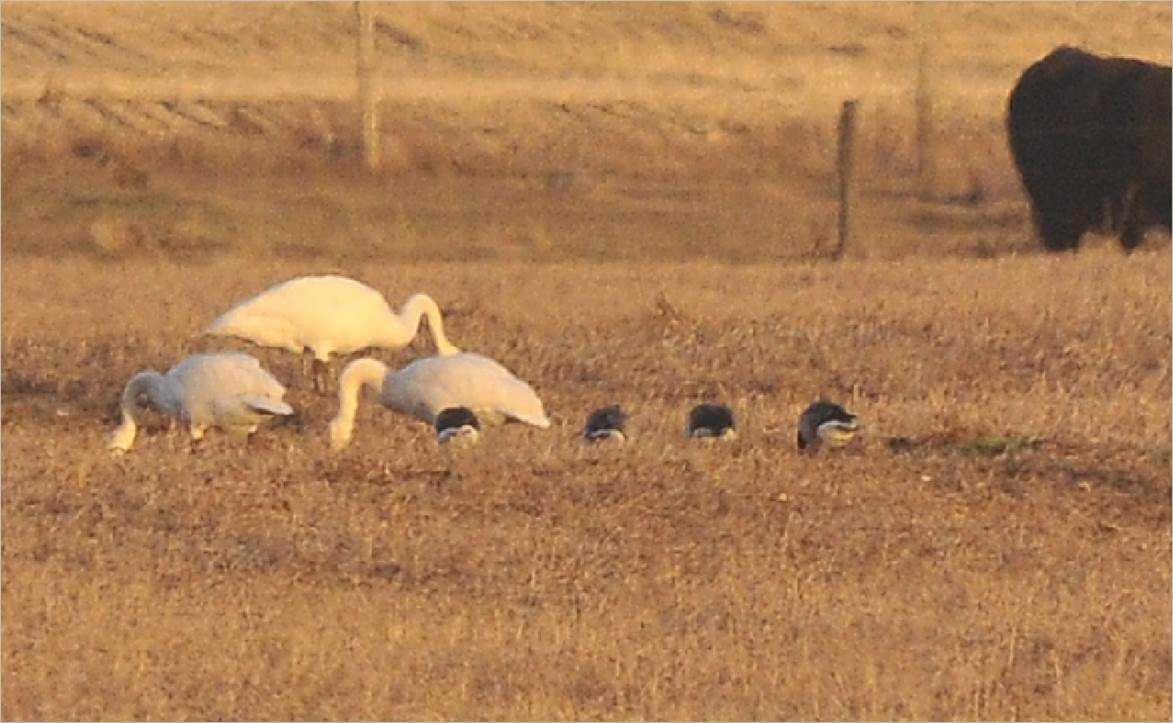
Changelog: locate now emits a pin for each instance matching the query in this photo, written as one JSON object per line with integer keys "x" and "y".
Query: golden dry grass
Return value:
{"x": 533, "y": 578}
{"x": 996, "y": 545}
{"x": 545, "y": 132}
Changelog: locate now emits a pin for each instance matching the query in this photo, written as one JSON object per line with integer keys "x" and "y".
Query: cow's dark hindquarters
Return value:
{"x": 1090, "y": 138}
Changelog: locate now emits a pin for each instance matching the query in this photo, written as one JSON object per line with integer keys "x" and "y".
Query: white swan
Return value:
{"x": 228, "y": 390}
{"x": 430, "y": 385}
{"x": 327, "y": 315}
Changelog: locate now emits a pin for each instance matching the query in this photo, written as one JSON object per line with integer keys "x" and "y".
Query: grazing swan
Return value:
{"x": 327, "y": 315}
{"x": 711, "y": 420}
{"x": 825, "y": 422}
{"x": 430, "y": 385}
{"x": 458, "y": 426}
{"x": 606, "y": 423}
{"x": 229, "y": 390}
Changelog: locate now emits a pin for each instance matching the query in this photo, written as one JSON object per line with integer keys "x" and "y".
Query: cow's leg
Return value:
{"x": 1133, "y": 233}
{"x": 1059, "y": 232}
{"x": 1132, "y": 217}
{"x": 1149, "y": 206}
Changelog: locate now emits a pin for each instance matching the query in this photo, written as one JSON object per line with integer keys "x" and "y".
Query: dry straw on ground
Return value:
{"x": 618, "y": 131}
{"x": 996, "y": 545}
{"x": 1007, "y": 557}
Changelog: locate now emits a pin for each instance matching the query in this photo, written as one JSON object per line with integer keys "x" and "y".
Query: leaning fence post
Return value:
{"x": 364, "y": 67}
{"x": 846, "y": 169}
{"x": 924, "y": 112}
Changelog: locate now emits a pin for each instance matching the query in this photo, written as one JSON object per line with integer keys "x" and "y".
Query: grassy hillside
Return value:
{"x": 544, "y": 131}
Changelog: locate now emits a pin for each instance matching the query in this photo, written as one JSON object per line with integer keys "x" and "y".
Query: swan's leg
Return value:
{"x": 321, "y": 376}
{"x": 175, "y": 434}
{"x": 307, "y": 367}
{"x": 195, "y": 439}
{"x": 316, "y": 375}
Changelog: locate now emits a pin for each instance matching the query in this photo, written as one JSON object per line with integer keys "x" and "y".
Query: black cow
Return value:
{"x": 1091, "y": 139}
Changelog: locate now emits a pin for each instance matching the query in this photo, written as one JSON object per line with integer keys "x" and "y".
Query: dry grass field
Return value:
{"x": 1010, "y": 560}
{"x": 528, "y": 132}
{"x": 621, "y": 203}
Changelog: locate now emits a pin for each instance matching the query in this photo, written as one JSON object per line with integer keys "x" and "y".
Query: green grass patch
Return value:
{"x": 994, "y": 445}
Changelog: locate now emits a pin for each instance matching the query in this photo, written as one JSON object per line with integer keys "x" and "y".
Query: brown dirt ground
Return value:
{"x": 621, "y": 204}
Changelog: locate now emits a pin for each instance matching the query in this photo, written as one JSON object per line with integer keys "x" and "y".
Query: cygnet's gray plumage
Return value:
{"x": 825, "y": 423}
{"x": 711, "y": 420}
{"x": 227, "y": 390}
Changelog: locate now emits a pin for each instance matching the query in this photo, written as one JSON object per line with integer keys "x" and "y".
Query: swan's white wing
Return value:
{"x": 509, "y": 396}
{"x": 272, "y": 329}
{"x": 267, "y": 406}
{"x": 518, "y": 401}
{"x": 427, "y": 386}
{"x": 213, "y": 388}
{"x": 305, "y": 296}
{"x": 324, "y": 313}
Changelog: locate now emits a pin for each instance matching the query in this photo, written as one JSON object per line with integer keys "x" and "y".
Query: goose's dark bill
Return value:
{"x": 711, "y": 420}
{"x": 607, "y": 423}
{"x": 457, "y": 424}
{"x": 825, "y": 423}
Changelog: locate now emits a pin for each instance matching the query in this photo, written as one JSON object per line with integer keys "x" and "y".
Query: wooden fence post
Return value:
{"x": 846, "y": 170}
{"x": 924, "y": 117}
{"x": 364, "y": 73}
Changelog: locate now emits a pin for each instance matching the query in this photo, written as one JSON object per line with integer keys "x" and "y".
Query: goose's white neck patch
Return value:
{"x": 464, "y": 434}
{"x": 606, "y": 434}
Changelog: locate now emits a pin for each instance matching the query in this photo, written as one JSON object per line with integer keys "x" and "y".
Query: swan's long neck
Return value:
{"x": 422, "y": 305}
{"x": 150, "y": 383}
{"x": 360, "y": 373}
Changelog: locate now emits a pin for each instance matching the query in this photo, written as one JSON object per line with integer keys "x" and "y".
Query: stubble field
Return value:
{"x": 642, "y": 225}
{"x": 1009, "y": 560}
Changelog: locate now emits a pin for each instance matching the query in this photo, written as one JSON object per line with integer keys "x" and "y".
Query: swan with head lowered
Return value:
{"x": 328, "y": 315}
{"x": 428, "y": 386}
{"x": 230, "y": 391}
